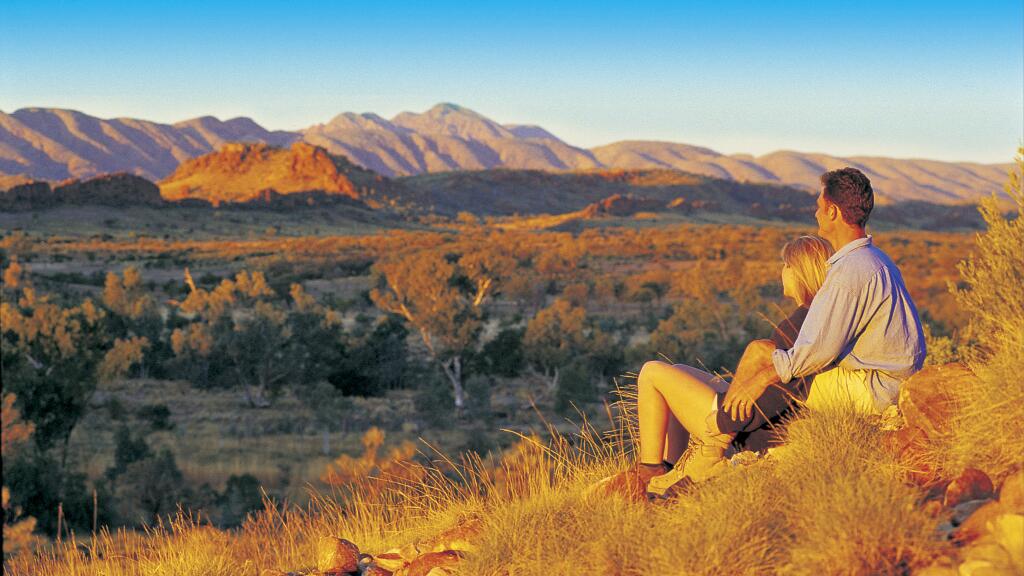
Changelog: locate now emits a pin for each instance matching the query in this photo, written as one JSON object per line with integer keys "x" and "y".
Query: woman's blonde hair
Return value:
{"x": 807, "y": 256}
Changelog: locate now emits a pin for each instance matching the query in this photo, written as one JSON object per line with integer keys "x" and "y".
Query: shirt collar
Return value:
{"x": 849, "y": 247}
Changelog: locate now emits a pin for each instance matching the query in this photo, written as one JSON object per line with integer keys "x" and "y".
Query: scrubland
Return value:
{"x": 832, "y": 500}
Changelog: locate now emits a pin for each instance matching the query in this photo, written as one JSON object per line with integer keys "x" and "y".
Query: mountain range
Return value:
{"x": 56, "y": 144}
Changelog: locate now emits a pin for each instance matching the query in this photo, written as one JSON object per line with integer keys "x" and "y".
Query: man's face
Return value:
{"x": 824, "y": 215}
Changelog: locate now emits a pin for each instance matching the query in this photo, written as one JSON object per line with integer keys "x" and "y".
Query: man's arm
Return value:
{"x": 754, "y": 374}
{"x": 833, "y": 319}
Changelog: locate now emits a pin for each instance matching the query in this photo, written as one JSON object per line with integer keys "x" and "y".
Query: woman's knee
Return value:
{"x": 649, "y": 371}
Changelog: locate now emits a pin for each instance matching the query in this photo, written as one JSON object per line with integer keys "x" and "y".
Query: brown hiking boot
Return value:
{"x": 703, "y": 459}
{"x": 630, "y": 483}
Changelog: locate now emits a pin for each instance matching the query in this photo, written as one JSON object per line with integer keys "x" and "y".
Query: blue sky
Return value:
{"x": 921, "y": 79}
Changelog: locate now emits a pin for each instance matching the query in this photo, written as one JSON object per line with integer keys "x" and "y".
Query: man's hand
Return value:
{"x": 754, "y": 374}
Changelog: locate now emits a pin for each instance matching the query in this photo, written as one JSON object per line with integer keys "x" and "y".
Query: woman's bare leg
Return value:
{"x": 665, "y": 391}
{"x": 676, "y": 439}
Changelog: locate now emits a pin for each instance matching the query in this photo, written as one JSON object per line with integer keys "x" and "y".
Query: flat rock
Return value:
{"x": 422, "y": 565}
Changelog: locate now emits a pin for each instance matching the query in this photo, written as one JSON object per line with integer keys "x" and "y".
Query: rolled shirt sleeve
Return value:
{"x": 831, "y": 324}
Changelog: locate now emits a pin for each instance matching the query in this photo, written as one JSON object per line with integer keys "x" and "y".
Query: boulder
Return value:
{"x": 375, "y": 570}
{"x": 337, "y": 556}
{"x": 972, "y": 484}
{"x": 927, "y": 401}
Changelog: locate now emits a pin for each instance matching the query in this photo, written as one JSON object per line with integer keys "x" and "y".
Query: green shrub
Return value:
{"x": 502, "y": 356}
{"x": 158, "y": 416}
{"x": 241, "y": 497}
{"x": 576, "y": 387}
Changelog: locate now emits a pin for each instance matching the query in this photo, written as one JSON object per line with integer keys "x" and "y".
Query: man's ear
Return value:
{"x": 834, "y": 213}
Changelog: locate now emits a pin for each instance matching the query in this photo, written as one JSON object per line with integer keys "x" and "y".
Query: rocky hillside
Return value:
{"x": 54, "y": 144}
{"x": 107, "y": 190}
{"x": 258, "y": 172}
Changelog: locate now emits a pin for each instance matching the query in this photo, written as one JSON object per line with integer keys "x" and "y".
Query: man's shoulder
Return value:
{"x": 861, "y": 265}
{"x": 865, "y": 259}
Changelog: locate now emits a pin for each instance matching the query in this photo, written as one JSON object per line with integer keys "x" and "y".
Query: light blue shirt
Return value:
{"x": 862, "y": 318}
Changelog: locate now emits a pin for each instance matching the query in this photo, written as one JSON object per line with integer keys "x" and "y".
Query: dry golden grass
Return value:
{"x": 831, "y": 502}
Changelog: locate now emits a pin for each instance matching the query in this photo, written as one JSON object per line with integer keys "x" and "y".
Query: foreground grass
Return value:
{"x": 829, "y": 502}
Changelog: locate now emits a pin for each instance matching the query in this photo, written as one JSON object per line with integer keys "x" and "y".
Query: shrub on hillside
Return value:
{"x": 242, "y": 496}
{"x": 988, "y": 430}
{"x": 576, "y": 388}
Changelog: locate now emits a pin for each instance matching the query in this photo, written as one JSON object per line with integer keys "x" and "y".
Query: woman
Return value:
{"x": 677, "y": 403}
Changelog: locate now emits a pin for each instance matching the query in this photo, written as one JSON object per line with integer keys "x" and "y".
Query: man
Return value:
{"x": 862, "y": 334}
{"x": 861, "y": 337}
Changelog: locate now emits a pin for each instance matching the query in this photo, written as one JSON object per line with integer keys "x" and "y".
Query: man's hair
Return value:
{"x": 850, "y": 190}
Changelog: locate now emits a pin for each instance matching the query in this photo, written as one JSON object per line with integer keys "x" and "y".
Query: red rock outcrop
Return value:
{"x": 258, "y": 172}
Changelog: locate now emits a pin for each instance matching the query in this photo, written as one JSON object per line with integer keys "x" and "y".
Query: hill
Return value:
{"x": 528, "y": 192}
{"x": 55, "y": 144}
{"x": 107, "y": 190}
{"x": 240, "y": 173}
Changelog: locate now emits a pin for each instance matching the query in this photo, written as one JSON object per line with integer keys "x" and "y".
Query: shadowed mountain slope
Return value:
{"x": 55, "y": 144}
{"x": 894, "y": 180}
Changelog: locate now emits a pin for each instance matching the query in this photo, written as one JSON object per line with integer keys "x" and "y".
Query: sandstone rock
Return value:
{"x": 258, "y": 173}
{"x": 972, "y": 484}
{"x": 375, "y": 570}
{"x": 423, "y": 565}
{"x": 927, "y": 402}
{"x": 337, "y": 556}
{"x": 1011, "y": 493}
{"x": 927, "y": 399}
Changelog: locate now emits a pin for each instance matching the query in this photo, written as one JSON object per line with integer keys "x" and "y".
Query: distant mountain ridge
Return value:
{"x": 56, "y": 144}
